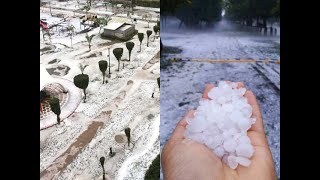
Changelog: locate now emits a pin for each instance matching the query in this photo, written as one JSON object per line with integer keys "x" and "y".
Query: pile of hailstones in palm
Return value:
{"x": 222, "y": 124}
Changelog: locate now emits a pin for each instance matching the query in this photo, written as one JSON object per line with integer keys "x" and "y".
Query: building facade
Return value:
{"x": 119, "y": 30}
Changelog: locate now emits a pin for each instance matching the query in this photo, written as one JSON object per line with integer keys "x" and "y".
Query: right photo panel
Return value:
{"x": 220, "y": 89}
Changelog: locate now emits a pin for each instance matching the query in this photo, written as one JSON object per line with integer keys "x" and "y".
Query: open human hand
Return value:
{"x": 185, "y": 159}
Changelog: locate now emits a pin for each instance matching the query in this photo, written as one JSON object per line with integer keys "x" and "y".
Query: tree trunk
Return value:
{"x": 264, "y": 22}
{"x": 119, "y": 65}
{"x": 109, "y": 61}
{"x": 249, "y": 22}
{"x": 85, "y": 95}
{"x": 148, "y": 42}
{"x": 103, "y": 78}
{"x": 140, "y": 46}
{"x": 58, "y": 119}
{"x": 103, "y": 176}
{"x": 50, "y": 8}
{"x": 129, "y": 55}
{"x": 89, "y": 47}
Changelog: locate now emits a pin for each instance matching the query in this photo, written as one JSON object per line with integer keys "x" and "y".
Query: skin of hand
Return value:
{"x": 185, "y": 159}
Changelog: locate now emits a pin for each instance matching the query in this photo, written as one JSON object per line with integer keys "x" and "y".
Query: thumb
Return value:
{"x": 178, "y": 133}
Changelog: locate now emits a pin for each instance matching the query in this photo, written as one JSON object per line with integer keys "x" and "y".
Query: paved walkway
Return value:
{"x": 74, "y": 99}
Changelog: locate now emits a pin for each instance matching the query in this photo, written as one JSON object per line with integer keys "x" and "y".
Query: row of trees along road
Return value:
{"x": 194, "y": 12}
{"x": 247, "y": 11}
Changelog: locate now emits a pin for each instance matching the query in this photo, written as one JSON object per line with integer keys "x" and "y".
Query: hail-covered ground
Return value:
{"x": 72, "y": 150}
{"x": 183, "y": 80}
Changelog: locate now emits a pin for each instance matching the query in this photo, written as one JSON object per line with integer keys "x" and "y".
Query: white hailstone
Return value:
{"x": 245, "y": 150}
{"x": 234, "y": 85}
{"x": 197, "y": 125}
{"x": 219, "y": 151}
{"x": 244, "y": 139}
{"x": 222, "y": 122}
{"x": 230, "y": 145}
{"x": 232, "y": 162}
{"x": 227, "y": 107}
{"x": 246, "y": 110}
{"x": 221, "y": 100}
{"x": 216, "y": 141}
{"x": 244, "y": 123}
{"x": 243, "y": 161}
{"x": 225, "y": 159}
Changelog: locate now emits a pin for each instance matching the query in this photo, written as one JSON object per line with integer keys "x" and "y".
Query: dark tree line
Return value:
{"x": 200, "y": 11}
{"x": 193, "y": 12}
{"x": 248, "y": 11}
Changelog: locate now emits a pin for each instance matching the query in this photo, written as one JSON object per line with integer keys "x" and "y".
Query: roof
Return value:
{"x": 113, "y": 26}
{"x": 45, "y": 77}
{"x": 124, "y": 27}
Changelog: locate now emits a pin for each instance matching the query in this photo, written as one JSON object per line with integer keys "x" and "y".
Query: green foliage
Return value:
{"x": 156, "y": 29}
{"x": 207, "y": 11}
{"x": 102, "y": 21}
{"x": 148, "y": 3}
{"x": 82, "y": 82}
{"x": 89, "y": 39}
{"x": 276, "y": 9}
{"x": 129, "y": 46}
{"x": 103, "y": 66}
{"x": 102, "y": 159}
{"x": 158, "y": 23}
{"x": 43, "y": 95}
{"x": 153, "y": 173}
{"x": 86, "y": 8}
{"x": 170, "y": 6}
{"x": 55, "y": 107}
{"x": 149, "y": 32}
{"x": 140, "y": 36}
{"x": 117, "y": 52}
{"x": 111, "y": 153}
{"x": 247, "y": 10}
{"x": 127, "y": 131}
{"x": 82, "y": 68}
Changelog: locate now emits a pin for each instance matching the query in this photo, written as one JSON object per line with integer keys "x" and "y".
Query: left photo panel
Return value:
{"x": 99, "y": 89}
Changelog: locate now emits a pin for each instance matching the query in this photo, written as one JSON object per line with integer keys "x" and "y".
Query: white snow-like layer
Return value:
{"x": 224, "y": 40}
{"x": 144, "y": 134}
{"x": 53, "y": 143}
{"x": 222, "y": 122}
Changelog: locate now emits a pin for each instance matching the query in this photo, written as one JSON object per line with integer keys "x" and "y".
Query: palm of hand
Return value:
{"x": 186, "y": 159}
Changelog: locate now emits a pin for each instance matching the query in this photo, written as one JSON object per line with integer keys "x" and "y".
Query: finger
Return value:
{"x": 206, "y": 91}
{"x": 240, "y": 85}
{"x": 178, "y": 132}
{"x": 258, "y": 125}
